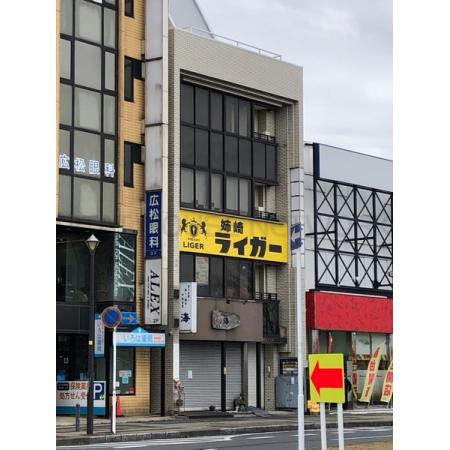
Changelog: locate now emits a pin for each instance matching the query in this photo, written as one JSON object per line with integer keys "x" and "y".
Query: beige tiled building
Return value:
{"x": 147, "y": 107}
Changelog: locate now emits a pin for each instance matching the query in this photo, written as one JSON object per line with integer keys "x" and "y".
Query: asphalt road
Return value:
{"x": 284, "y": 440}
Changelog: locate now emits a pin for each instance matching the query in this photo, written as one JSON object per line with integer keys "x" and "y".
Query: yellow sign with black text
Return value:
{"x": 219, "y": 234}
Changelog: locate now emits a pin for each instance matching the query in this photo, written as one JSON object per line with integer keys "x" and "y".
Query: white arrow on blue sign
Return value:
{"x": 296, "y": 236}
{"x": 129, "y": 318}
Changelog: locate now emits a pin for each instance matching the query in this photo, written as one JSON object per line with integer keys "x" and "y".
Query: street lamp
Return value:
{"x": 92, "y": 244}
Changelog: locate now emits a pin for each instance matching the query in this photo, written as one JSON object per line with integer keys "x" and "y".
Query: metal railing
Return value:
{"x": 230, "y": 41}
{"x": 266, "y": 296}
{"x": 264, "y": 137}
{"x": 266, "y": 215}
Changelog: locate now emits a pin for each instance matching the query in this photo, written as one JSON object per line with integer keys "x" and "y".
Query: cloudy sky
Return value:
{"x": 345, "y": 49}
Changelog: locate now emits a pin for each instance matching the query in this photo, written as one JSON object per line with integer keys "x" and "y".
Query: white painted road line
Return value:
{"x": 261, "y": 437}
{"x": 365, "y": 437}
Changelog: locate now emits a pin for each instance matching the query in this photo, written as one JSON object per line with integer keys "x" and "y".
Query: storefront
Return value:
{"x": 353, "y": 325}
{"x": 114, "y": 284}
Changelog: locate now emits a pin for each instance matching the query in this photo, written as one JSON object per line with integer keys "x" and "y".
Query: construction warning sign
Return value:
{"x": 218, "y": 234}
{"x": 326, "y": 378}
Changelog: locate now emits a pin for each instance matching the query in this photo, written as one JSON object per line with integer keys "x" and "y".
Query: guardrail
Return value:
{"x": 231, "y": 41}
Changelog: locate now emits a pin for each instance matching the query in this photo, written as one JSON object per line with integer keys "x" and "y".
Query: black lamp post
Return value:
{"x": 92, "y": 244}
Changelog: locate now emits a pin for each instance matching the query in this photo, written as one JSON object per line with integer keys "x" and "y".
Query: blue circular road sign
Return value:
{"x": 111, "y": 317}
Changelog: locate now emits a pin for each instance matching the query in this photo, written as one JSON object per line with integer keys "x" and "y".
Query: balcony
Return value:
{"x": 271, "y": 324}
{"x": 266, "y": 215}
{"x": 264, "y": 137}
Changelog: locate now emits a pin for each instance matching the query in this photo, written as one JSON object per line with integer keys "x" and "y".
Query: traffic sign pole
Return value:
{"x": 113, "y": 418}
{"x": 300, "y": 400}
{"x": 340, "y": 426}
{"x": 323, "y": 426}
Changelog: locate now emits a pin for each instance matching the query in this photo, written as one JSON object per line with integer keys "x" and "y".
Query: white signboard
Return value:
{"x": 71, "y": 393}
{"x": 99, "y": 340}
{"x": 188, "y": 307}
{"x": 140, "y": 338}
{"x": 152, "y": 307}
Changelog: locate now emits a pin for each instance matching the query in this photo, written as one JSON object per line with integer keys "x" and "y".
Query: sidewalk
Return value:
{"x": 153, "y": 427}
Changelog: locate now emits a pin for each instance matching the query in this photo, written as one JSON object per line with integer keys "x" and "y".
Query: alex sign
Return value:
{"x": 326, "y": 378}
{"x": 218, "y": 234}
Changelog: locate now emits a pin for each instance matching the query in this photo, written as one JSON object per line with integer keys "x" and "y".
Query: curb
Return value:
{"x": 127, "y": 437}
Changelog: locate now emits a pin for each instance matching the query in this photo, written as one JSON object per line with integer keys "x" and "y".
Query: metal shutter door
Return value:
{"x": 251, "y": 352}
{"x": 234, "y": 372}
{"x": 203, "y": 359}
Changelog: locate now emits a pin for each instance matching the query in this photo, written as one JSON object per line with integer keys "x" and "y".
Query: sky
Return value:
{"x": 345, "y": 49}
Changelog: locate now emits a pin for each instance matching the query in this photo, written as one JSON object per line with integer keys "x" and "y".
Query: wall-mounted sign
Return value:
{"x": 188, "y": 307}
{"x": 140, "y": 338}
{"x": 217, "y": 234}
{"x": 71, "y": 393}
{"x": 288, "y": 366}
{"x": 371, "y": 374}
{"x": 99, "y": 340}
{"x": 153, "y": 232}
{"x": 152, "y": 301}
{"x": 223, "y": 320}
{"x": 129, "y": 318}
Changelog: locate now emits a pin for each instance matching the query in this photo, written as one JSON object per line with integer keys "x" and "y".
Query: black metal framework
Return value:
{"x": 353, "y": 238}
{"x": 101, "y": 174}
{"x": 210, "y": 128}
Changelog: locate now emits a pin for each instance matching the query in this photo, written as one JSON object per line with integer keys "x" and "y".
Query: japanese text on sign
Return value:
{"x": 91, "y": 167}
{"x": 372, "y": 370}
{"x": 153, "y": 224}
{"x": 232, "y": 236}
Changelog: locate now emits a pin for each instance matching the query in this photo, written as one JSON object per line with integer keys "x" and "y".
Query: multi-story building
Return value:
{"x": 175, "y": 150}
{"x": 348, "y": 257}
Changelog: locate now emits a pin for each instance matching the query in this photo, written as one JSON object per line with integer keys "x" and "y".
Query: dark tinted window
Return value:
{"x": 129, "y": 8}
{"x": 128, "y": 165}
{"x": 245, "y": 279}
{"x": 245, "y": 157}
{"x": 271, "y": 162}
{"x": 259, "y": 160}
{"x": 201, "y": 189}
{"x": 216, "y": 192}
{"x": 201, "y": 148}
{"x": 232, "y": 278}
{"x": 231, "y": 154}
{"x": 216, "y": 151}
{"x": 187, "y": 145}
{"x": 186, "y": 267}
{"x": 244, "y": 118}
{"x": 128, "y": 80}
{"x": 231, "y": 114}
{"x": 232, "y": 194}
{"x": 201, "y": 106}
{"x": 187, "y": 187}
{"x": 202, "y": 275}
{"x": 187, "y": 103}
{"x": 244, "y": 197}
{"x": 216, "y": 111}
{"x": 216, "y": 276}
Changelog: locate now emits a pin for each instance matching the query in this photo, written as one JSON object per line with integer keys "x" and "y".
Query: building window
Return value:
{"x": 216, "y": 135}
{"x": 129, "y": 8}
{"x": 132, "y": 155}
{"x": 88, "y": 111}
{"x": 212, "y": 281}
{"x": 133, "y": 70}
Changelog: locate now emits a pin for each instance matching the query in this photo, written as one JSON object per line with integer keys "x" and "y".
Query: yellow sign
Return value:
{"x": 371, "y": 374}
{"x": 386, "y": 393}
{"x": 326, "y": 378}
{"x": 218, "y": 234}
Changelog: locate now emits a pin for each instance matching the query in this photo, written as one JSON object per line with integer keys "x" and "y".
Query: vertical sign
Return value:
{"x": 152, "y": 305}
{"x": 386, "y": 393}
{"x": 371, "y": 375}
{"x": 188, "y": 307}
{"x": 153, "y": 224}
{"x": 99, "y": 340}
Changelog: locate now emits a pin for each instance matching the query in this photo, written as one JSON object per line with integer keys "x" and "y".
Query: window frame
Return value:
{"x": 243, "y": 141}
{"x": 126, "y": 12}
{"x": 135, "y": 158}
{"x": 136, "y": 74}
{"x": 103, "y": 135}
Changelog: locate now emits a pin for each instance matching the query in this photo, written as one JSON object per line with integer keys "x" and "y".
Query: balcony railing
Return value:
{"x": 266, "y": 215}
{"x": 265, "y": 296}
{"x": 264, "y": 137}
